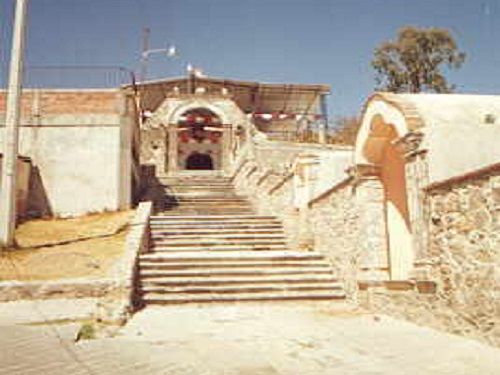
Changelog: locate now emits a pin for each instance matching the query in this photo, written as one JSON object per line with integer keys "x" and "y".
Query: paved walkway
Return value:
{"x": 246, "y": 339}
{"x": 50, "y": 310}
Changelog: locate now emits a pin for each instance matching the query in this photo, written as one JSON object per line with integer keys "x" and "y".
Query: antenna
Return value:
{"x": 146, "y": 33}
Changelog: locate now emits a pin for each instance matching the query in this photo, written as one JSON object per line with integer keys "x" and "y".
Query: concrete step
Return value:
{"x": 197, "y": 188}
{"x": 197, "y": 218}
{"x": 216, "y": 208}
{"x": 180, "y": 211}
{"x": 204, "y": 243}
{"x": 216, "y": 199}
{"x": 218, "y": 248}
{"x": 183, "y": 182}
{"x": 201, "y": 232}
{"x": 210, "y": 246}
{"x": 239, "y": 280}
{"x": 203, "y": 194}
{"x": 215, "y": 205}
{"x": 243, "y": 288}
{"x": 239, "y": 271}
{"x": 219, "y": 224}
{"x": 219, "y": 228}
{"x": 179, "y": 265}
{"x": 156, "y": 235}
{"x": 213, "y": 221}
{"x": 160, "y": 299}
{"x": 242, "y": 256}
{"x": 212, "y": 204}
{"x": 206, "y": 186}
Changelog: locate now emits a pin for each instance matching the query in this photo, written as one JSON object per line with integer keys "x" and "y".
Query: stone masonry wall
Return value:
{"x": 334, "y": 220}
{"x": 463, "y": 257}
{"x": 332, "y": 217}
{"x": 461, "y": 292}
{"x": 271, "y": 194}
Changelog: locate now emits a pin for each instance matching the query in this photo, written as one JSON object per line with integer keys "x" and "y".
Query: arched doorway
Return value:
{"x": 200, "y": 135}
{"x": 377, "y": 145}
{"x": 197, "y": 161}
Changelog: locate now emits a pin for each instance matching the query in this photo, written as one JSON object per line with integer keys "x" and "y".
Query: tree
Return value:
{"x": 346, "y": 130}
{"x": 413, "y": 62}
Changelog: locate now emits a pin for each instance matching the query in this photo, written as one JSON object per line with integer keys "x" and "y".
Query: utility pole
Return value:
{"x": 11, "y": 133}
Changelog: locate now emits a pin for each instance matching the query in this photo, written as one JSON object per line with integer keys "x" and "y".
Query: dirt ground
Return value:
{"x": 66, "y": 248}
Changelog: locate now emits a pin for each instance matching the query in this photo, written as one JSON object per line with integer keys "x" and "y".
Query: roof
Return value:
{"x": 425, "y": 109}
{"x": 459, "y": 132}
{"x": 250, "y": 96}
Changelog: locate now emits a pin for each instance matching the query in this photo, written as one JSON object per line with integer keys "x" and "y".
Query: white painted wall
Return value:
{"x": 331, "y": 169}
{"x": 79, "y": 161}
{"x": 456, "y": 136}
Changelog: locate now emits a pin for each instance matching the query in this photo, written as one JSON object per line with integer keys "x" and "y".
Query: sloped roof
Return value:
{"x": 460, "y": 132}
{"x": 421, "y": 110}
{"x": 249, "y": 96}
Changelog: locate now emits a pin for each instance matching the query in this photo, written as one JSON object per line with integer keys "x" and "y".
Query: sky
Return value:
{"x": 284, "y": 41}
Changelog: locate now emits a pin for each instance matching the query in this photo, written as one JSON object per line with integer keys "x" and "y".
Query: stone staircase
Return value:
{"x": 209, "y": 246}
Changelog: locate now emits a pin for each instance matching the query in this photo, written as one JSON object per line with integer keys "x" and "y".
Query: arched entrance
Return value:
{"x": 377, "y": 145}
{"x": 197, "y": 161}
{"x": 200, "y": 135}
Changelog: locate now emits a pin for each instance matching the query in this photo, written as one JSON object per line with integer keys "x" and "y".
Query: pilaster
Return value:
{"x": 172, "y": 149}
{"x": 226, "y": 156}
{"x": 304, "y": 181}
{"x": 416, "y": 172}
{"x": 374, "y": 261}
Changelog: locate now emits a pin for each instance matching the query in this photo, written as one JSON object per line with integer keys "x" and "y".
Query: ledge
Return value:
{"x": 14, "y": 290}
{"x": 334, "y": 188}
{"x": 281, "y": 183}
{"x": 421, "y": 286}
{"x": 477, "y": 173}
{"x": 117, "y": 307}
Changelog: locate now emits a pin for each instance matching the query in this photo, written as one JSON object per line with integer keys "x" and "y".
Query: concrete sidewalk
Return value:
{"x": 251, "y": 339}
{"x": 50, "y": 310}
{"x": 316, "y": 338}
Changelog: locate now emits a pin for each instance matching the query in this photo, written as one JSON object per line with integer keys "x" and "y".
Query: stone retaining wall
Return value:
{"x": 116, "y": 292}
{"x": 334, "y": 220}
{"x": 121, "y": 302}
{"x": 331, "y": 217}
{"x": 70, "y": 288}
{"x": 463, "y": 259}
{"x": 271, "y": 193}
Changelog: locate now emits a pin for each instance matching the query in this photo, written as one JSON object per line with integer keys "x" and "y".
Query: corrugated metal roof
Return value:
{"x": 250, "y": 96}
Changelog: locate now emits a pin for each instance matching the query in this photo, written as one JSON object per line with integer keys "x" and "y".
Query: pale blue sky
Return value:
{"x": 303, "y": 41}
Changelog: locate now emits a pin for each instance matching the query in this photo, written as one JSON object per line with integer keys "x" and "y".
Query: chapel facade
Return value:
{"x": 200, "y": 123}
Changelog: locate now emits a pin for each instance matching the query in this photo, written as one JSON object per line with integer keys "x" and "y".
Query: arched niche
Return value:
{"x": 200, "y": 136}
{"x": 377, "y": 146}
{"x": 175, "y": 115}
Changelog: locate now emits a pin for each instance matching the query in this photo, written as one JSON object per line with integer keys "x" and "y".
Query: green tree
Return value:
{"x": 413, "y": 62}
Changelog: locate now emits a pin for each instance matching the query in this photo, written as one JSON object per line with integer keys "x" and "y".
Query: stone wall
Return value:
{"x": 118, "y": 305}
{"x": 463, "y": 260}
{"x": 334, "y": 220}
{"x": 271, "y": 193}
{"x": 331, "y": 218}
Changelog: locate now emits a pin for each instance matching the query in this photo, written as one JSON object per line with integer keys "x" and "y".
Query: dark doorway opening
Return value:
{"x": 199, "y": 161}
